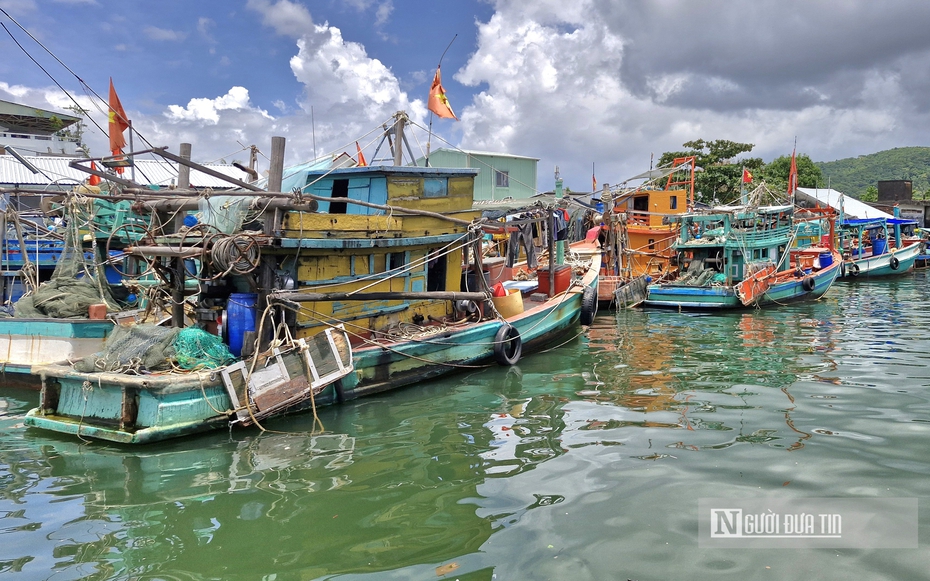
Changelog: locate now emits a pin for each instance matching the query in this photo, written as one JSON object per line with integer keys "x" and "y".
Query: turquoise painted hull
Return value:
{"x": 28, "y": 343}
{"x": 724, "y": 297}
{"x": 881, "y": 265}
{"x": 169, "y": 406}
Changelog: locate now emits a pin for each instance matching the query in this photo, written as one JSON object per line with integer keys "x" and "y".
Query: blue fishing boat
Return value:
{"x": 741, "y": 256}
{"x": 877, "y": 247}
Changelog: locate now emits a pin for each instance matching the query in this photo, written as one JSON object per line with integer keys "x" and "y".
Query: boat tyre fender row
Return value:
{"x": 808, "y": 284}
{"x": 894, "y": 263}
{"x": 588, "y": 305}
{"x": 508, "y": 346}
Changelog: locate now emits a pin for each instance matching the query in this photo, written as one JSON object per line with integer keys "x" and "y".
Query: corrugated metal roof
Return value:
{"x": 852, "y": 208}
{"x": 484, "y": 153}
{"x": 55, "y": 170}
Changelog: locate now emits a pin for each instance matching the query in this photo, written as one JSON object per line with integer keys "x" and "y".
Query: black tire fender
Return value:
{"x": 894, "y": 263}
{"x": 808, "y": 284}
{"x": 854, "y": 269}
{"x": 588, "y": 305}
{"x": 508, "y": 346}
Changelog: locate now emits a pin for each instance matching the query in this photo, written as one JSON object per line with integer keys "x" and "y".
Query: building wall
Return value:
{"x": 521, "y": 172}
{"x": 894, "y": 190}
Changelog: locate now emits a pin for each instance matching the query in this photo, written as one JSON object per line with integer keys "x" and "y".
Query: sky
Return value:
{"x": 588, "y": 86}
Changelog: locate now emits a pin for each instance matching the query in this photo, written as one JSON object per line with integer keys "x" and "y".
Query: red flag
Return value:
{"x": 361, "y": 157}
{"x": 793, "y": 175}
{"x": 93, "y": 180}
{"x": 437, "y": 102}
{"x": 747, "y": 177}
{"x": 118, "y": 122}
{"x": 593, "y": 183}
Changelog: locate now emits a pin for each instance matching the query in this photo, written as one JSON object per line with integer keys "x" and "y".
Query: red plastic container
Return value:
{"x": 563, "y": 279}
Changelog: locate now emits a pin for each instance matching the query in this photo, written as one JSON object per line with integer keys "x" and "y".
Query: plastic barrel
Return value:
{"x": 826, "y": 259}
{"x": 878, "y": 246}
{"x": 240, "y": 317}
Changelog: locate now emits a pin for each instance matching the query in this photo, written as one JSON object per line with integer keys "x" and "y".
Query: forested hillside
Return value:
{"x": 854, "y": 175}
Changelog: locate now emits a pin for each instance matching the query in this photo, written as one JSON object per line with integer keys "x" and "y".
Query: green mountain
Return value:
{"x": 853, "y": 175}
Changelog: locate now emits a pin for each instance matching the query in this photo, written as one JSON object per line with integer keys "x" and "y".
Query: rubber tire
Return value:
{"x": 808, "y": 284}
{"x": 894, "y": 263}
{"x": 588, "y": 305}
{"x": 508, "y": 346}
{"x": 854, "y": 269}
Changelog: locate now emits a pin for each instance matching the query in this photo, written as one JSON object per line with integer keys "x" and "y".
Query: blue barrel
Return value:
{"x": 240, "y": 317}
{"x": 826, "y": 259}
{"x": 878, "y": 246}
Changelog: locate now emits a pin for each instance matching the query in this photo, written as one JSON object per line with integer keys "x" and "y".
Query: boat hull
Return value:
{"x": 144, "y": 409}
{"x": 882, "y": 265}
{"x": 785, "y": 289}
{"x": 28, "y": 343}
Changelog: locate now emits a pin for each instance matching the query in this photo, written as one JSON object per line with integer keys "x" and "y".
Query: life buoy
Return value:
{"x": 854, "y": 269}
{"x": 508, "y": 346}
{"x": 894, "y": 263}
{"x": 588, "y": 305}
{"x": 808, "y": 284}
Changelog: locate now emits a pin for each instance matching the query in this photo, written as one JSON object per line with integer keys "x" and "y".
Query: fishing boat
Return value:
{"x": 637, "y": 235}
{"x": 368, "y": 260}
{"x": 877, "y": 247}
{"x": 39, "y": 327}
{"x": 741, "y": 256}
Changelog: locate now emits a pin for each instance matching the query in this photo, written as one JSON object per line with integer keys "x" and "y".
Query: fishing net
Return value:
{"x": 78, "y": 280}
{"x": 145, "y": 347}
{"x": 140, "y": 347}
{"x": 196, "y": 349}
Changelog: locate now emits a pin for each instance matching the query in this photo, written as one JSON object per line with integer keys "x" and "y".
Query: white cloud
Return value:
{"x": 286, "y": 17}
{"x": 209, "y": 110}
{"x": 155, "y": 33}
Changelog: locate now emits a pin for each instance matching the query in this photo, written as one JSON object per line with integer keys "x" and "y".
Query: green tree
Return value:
{"x": 776, "y": 173}
{"x": 870, "y": 195}
{"x": 720, "y": 177}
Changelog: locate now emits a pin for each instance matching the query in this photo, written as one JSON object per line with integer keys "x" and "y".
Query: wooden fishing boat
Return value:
{"x": 138, "y": 409}
{"x": 739, "y": 256}
{"x": 871, "y": 249}
{"x": 376, "y": 255}
{"x": 637, "y": 235}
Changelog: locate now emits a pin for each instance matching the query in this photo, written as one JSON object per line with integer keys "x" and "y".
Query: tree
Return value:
{"x": 870, "y": 195}
{"x": 720, "y": 177}
{"x": 776, "y": 173}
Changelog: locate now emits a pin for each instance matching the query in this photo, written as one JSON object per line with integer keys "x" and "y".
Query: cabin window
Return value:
{"x": 673, "y": 202}
{"x": 502, "y": 179}
{"x": 652, "y": 244}
{"x": 641, "y": 204}
{"x": 435, "y": 188}
{"x": 435, "y": 271}
{"x": 396, "y": 260}
{"x": 340, "y": 190}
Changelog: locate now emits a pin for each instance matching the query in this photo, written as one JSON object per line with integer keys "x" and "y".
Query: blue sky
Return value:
{"x": 604, "y": 82}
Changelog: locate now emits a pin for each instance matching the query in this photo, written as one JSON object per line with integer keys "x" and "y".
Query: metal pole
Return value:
{"x": 184, "y": 182}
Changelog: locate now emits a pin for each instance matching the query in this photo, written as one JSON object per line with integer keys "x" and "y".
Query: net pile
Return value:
{"x": 146, "y": 348}
{"x": 78, "y": 280}
{"x": 196, "y": 349}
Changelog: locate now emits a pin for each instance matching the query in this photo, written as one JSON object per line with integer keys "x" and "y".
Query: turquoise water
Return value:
{"x": 586, "y": 462}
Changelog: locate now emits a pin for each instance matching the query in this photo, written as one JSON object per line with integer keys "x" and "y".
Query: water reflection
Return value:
{"x": 580, "y": 463}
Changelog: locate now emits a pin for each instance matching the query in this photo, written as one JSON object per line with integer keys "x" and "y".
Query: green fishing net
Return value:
{"x": 194, "y": 348}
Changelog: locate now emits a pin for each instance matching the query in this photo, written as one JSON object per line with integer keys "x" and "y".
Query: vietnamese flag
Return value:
{"x": 118, "y": 122}
{"x": 747, "y": 177}
{"x": 438, "y": 103}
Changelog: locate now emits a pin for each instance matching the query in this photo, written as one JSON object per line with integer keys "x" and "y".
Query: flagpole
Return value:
{"x": 429, "y": 137}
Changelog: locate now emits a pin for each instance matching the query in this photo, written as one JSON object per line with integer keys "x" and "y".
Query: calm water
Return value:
{"x": 586, "y": 462}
